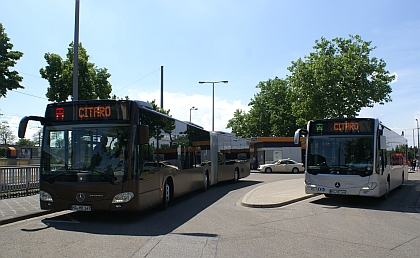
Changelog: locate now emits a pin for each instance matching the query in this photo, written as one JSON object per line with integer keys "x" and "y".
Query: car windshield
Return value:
{"x": 97, "y": 151}
{"x": 340, "y": 155}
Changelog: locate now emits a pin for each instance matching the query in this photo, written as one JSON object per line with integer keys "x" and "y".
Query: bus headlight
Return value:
{"x": 46, "y": 197}
{"x": 309, "y": 183}
{"x": 369, "y": 186}
{"x": 123, "y": 197}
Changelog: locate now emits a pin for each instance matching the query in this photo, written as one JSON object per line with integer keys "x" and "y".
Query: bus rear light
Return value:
{"x": 369, "y": 186}
{"x": 46, "y": 197}
{"x": 123, "y": 197}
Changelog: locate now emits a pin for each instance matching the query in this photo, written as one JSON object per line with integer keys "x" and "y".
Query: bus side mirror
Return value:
{"x": 22, "y": 127}
{"x": 296, "y": 139}
{"x": 24, "y": 123}
{"x": 143, "y": 134}
{"x": 382, "y": 142}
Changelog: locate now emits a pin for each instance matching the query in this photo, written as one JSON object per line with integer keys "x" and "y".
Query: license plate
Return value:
{"x": 80, "y": 208}
{"x": 337, "y": 191}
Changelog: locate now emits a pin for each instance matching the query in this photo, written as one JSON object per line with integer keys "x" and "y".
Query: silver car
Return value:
{"x": 282, "y": 165}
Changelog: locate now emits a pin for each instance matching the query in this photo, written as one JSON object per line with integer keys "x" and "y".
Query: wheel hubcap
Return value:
{"x": 167, "y": 192}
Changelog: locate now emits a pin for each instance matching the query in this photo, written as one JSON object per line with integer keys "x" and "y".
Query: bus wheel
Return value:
{"x": 205, "y": 182}
{"x": 268, "y": 170}
{"x": 402, "y": 181}
{"x": 166, "y": 195}
{"x": 235, "y": 176}
{"x": 387, "y": 187}
{"x": 295, "y": 170}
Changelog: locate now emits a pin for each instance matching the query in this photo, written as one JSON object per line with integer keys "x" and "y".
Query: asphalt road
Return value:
{"x": 215, "y": 224}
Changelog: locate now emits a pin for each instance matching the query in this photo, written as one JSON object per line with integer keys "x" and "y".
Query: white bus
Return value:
{"x": 357, "y": 156}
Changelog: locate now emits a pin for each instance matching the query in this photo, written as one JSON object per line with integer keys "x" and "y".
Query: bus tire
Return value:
{"x": 166, "y": 195}
{"x": 205, "y": 181}
{"x": 387, "y": 187}
{"x": 402, "y": 181}
{"x": 235, "y": 176}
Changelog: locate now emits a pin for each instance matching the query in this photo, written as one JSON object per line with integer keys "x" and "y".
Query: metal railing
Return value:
{"x": 16, "y": 181}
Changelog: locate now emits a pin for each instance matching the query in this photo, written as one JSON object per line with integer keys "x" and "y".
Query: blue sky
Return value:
{"x": 244, "y": 42}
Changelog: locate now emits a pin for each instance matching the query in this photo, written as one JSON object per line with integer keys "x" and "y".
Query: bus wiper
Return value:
{"x": 65, "y": 173}
{"x": 361, "y": 171}
{"x": 112, "y": 178}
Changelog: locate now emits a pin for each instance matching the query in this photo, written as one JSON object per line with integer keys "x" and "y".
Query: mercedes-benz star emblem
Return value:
{"x": 337, "y": 184}
{"x": 80, "y": 197}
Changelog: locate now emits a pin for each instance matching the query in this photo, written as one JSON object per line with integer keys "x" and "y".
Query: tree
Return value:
{"x": 6, "y": 135}
{"x": 9, "y": 80}
{"x": 338, "y": 80}
{"x": 25, "y": 142}
{"x": 238, "y": 124}
{"x": 270, "y": 113}
{"x": 92, "y": 81}
{"x": 37, "y": 137}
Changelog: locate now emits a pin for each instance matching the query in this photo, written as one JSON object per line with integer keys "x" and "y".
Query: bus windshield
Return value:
{"x": 85, "y": 152}
{"x": 340, "y": 154}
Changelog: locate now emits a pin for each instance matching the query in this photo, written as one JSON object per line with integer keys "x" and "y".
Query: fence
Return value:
{"x": 18, "y": 181}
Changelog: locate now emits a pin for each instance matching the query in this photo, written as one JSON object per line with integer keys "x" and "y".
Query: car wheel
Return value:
{"x": 268, "y": 170}
{"x": 166, "y": 195}
{"x": 295, "y": 170}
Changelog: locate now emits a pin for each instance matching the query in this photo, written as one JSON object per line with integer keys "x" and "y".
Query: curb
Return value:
{"x": 25, "y": 217}
{"x": 276, "y": 205}
{"x": 275, "y": 194}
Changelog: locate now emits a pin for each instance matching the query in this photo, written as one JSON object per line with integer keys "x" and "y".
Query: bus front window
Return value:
{"x": 99, "y": 151}
{"x": 340, "y": 155}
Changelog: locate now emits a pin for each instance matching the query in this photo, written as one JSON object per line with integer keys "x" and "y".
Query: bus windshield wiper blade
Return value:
{"x": 65, "y": 173}
{"x": 111, "y": 177}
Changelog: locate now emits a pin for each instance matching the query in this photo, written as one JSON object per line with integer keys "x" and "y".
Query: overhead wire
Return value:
{"x": 137, "y": 80}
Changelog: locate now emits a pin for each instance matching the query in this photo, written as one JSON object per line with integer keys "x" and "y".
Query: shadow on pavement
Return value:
{"x": 153, "y": 222}
{"x": 399, "y": 200}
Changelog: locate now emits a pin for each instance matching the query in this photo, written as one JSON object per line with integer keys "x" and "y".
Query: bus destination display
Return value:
{"x": 87, "y": 112}
{"x": 341, "y": 127}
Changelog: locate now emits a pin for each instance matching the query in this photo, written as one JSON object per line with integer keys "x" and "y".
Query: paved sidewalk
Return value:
{"x": 276, "y": 194}
{"x": 268, "y": 195}
{"x": 15, "y": 209}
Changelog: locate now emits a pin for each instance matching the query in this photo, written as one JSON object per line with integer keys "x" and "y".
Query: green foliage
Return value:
{"x": 92, "y": 81}
{"x": 3, "y": 152}
{"x": 239, "y": 125}
{"x": 270, "y": 114}
{"x": 25, "y": 142}
{"x": 37, "y": 137}
{"x": 9, "y": 80}
{"x": 6, "y": 135}
{"x": 338, "y": 80}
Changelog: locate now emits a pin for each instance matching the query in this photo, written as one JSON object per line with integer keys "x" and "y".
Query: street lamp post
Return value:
{"x": 212, "y": 122}
{"x": 193, "y": 108}
{"x": 76, "y": 54}
{"x": 414, "y": 146}
{"x": 418, "y": 139}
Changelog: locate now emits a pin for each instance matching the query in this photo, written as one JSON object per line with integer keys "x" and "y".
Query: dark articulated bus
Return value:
{"x": 357, "y": 156}
{"x": 120, "y": 155}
